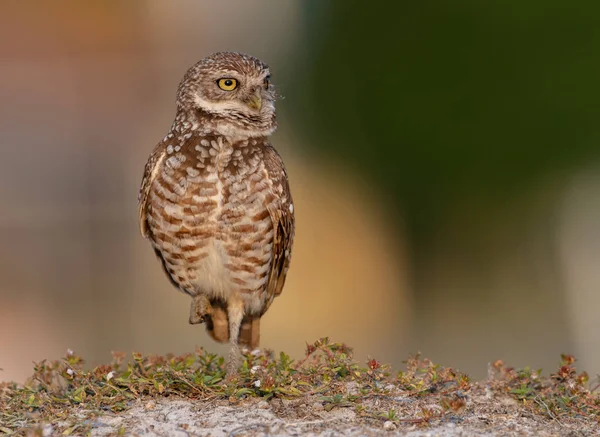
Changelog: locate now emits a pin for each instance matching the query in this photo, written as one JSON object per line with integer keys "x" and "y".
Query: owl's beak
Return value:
{"x": 255, "y": 101}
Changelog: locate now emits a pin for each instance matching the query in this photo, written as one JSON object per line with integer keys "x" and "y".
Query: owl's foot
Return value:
{"x": 200, "y": 309}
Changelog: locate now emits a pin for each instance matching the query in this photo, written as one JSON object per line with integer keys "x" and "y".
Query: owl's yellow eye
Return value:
{"x": 227, "y": 84}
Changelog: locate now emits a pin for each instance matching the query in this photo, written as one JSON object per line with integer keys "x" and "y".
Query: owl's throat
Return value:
{"x": 234, "y": 124}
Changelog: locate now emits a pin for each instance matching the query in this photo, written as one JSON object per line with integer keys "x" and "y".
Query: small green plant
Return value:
{"x": 391, "y": 414}
{"x": 563, "y": 394}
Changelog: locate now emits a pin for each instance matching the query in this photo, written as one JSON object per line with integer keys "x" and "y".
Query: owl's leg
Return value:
{"x": 235, "y": 313}
{"x": 200, "y": 308}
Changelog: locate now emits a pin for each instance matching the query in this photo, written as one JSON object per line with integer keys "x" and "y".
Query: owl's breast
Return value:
{"x": 209, "y": 219}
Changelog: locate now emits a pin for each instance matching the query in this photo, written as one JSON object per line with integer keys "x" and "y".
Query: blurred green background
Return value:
{"x": 443, "y": 157}
{"x": 442, "y": 102}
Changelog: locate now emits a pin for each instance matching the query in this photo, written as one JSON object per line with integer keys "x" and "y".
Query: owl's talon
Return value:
{"x": 200, "y": 310}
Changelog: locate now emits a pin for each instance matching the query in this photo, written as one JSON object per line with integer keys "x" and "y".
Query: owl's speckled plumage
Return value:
{"x": 215, "y": 201}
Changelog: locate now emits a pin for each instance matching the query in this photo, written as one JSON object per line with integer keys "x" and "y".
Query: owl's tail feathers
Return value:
{"x": 250, "y": 332}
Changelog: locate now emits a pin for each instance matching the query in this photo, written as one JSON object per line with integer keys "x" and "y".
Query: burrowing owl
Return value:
{"x": 215, "y": 201}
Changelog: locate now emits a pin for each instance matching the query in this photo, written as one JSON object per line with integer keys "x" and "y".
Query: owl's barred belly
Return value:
{"x": 216, "y": 244}
{"x": 209, "y": 275}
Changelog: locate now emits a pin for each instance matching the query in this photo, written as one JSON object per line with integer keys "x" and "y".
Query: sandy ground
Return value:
{"x": 218, "y": 418}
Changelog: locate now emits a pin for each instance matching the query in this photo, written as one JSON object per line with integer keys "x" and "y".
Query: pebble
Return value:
{"x": 317, "y": 406}
{"x": 389, "y": 425}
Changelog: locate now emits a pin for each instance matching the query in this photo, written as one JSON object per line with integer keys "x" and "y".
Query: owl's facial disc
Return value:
{"x": 232, "y": 93}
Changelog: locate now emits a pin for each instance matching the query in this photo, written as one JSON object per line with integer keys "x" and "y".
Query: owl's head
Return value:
{"x": 232, "y": 93}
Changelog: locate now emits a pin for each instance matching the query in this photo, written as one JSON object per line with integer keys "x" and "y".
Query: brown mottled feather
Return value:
{"x": 282, "y": 217}
{"x": 150, "y": 173}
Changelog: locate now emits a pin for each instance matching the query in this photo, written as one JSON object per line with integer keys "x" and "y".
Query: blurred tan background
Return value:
{"x": 467, "y": 276}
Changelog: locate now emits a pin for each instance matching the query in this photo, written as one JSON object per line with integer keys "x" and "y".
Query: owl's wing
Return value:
{"x": 150, "y": 171}
{"x": 282, "y": 216}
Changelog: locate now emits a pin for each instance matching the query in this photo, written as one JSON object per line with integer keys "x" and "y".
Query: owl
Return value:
{"x": 215, "y": 202}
